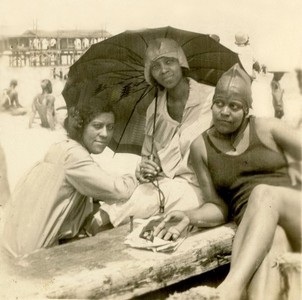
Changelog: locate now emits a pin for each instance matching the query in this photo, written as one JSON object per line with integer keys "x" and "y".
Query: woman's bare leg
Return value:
{"x": 268, "y": 206}
{"x": 265, "y": 284}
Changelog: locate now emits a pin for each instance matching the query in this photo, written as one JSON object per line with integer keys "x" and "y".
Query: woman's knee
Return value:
{"x": 262, "y": 195}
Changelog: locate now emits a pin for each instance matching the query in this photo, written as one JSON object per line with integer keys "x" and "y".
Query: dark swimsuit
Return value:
{"x": 235, "y": 177}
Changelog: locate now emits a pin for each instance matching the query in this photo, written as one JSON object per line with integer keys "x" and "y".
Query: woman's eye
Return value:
{"x": 170, "y": 61}
{"x": 155, "y": 67}
{"x": 235, "y": 106}
{"x": 98, "y": 126}
{"x": 110, "y": 127}
{"x": 219, "y": 103}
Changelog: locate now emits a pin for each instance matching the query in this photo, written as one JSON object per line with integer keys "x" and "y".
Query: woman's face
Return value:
{"x": 98, "y": 133}
{"x": 166, "y": 71}
{"x": 227, "y": 115}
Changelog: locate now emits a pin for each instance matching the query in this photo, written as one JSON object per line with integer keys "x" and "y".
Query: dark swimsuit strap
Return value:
{"x": 252, "y": 138}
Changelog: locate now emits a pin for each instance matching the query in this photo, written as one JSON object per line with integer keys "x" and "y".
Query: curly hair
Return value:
{"x": 79, "y": 117}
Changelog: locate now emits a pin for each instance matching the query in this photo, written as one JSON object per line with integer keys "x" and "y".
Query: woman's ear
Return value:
{"x": 246, "y": 112}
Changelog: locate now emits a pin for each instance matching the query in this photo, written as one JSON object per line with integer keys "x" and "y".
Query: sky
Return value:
{"x": 274, "y": 26}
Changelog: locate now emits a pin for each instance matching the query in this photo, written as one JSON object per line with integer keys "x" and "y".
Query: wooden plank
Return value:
{"x": 103, "y": 267}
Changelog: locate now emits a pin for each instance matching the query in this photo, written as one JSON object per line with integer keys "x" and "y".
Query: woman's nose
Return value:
{"x": 103, "y": 131}
{"x": 163, "y": 68}
{"x": 225, "y": 110}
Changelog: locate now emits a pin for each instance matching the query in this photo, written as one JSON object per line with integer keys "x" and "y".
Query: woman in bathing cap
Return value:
{"x": 183, "y": 111}
{"x": 247, "y": 171}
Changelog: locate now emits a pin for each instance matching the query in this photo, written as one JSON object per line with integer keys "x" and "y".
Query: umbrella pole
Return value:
{"x": 151, "y": 156}
{"x": 161, "y": 195}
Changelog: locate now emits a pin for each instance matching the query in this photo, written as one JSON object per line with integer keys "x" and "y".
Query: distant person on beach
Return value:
{"x": 242, "y": 161}
{"x": 44, "y": 104}
{"x": 246, "y": 54}
{"x": 277, "y": 94}
{"x": 12, "y": 95}
{"x": 58, "y": 200}
{"x": 54, "y": 74}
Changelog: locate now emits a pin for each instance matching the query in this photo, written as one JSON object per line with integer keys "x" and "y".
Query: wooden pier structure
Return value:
{"x": 44, "y": 48}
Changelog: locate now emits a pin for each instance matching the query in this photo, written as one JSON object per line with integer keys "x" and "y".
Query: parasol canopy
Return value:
{"x": 113, "y": 70}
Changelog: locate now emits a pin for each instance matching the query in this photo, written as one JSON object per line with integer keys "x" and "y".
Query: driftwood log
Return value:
{"x": 103, "y": 267}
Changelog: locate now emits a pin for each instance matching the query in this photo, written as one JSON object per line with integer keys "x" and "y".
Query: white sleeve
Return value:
{"x": 91, "y": 180}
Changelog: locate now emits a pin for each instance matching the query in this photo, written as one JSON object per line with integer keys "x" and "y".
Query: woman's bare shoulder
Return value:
{"x": 198, "y": 147}
{"x": 270, "y": 124}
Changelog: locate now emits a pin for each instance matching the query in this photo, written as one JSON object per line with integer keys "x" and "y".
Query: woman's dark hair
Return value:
{"x": 79, "y": 117}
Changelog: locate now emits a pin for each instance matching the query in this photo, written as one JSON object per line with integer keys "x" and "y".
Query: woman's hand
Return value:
{"x": 172, "y": 226}
{"x": 146, "y": 170}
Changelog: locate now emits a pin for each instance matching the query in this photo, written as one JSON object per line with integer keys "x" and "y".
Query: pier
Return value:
{"x": 44, "y": 48}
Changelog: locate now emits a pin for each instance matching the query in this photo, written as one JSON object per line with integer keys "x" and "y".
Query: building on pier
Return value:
{"x": 49, "y": 48}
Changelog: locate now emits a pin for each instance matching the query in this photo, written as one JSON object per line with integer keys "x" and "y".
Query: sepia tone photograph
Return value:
{"x": 150, "y": 149}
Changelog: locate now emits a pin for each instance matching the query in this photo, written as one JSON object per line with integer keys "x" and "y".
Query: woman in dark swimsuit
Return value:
{"x": 245, "y": 159}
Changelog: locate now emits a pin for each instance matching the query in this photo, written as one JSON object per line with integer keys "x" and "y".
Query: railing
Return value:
{"x": 37, "y": 57}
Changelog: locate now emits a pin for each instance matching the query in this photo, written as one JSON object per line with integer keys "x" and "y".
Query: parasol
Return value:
{"x": 114, "y": 70}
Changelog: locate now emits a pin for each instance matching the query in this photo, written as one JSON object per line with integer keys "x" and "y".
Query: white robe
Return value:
{"x": 172, "y": 142}
{"x": 55, "y": 198}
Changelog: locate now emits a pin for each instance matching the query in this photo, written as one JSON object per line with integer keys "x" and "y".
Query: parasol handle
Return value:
{"x": 154, "y": 121}
{"x": 150, "y": 176}
{"x": 151, "y": 155}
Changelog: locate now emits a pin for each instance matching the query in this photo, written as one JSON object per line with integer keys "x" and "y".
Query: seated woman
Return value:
{"x": 13, "y": 94}
{"x": 174, "y": 119}
{"x": 57, "y": 199}
{"x": 246, "y": 167}
{"x": 44, "y": 104}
